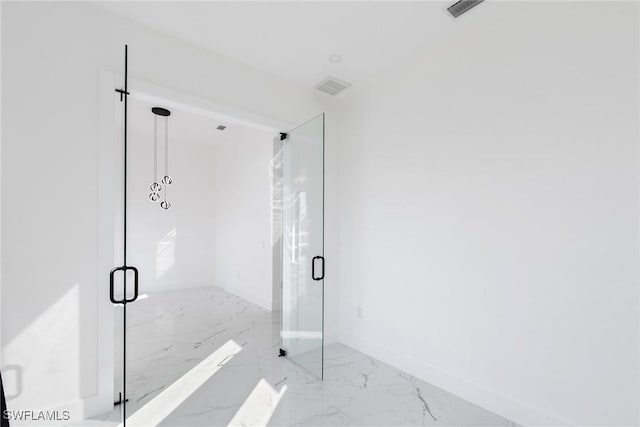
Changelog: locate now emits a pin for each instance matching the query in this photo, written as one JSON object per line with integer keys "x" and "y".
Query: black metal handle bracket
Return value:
{"x": 124, "y": 299}
{"x": 313, "y": 268}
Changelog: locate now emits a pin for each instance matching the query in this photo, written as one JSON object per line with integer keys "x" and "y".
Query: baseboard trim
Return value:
{"x": 474, "y": 393}
{"x": 79, "y": 409}
{"x": 176, "y": 287}
{"x": 252, "y": 298}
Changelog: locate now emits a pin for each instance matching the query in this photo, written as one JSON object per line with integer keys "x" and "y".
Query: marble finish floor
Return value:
{"x": 205, "y": 357}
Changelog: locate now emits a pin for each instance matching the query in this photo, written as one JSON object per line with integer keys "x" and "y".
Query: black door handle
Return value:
{"x": 124, "y": 299}
{"x": 313, "y": 267}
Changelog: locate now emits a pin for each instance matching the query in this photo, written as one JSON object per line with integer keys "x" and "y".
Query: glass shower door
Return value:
{"x": 303, "y": 245}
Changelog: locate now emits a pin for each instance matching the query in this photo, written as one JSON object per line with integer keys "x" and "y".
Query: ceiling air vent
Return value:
{"x": 462, "y": 6}
{"x": 332, "y": 86}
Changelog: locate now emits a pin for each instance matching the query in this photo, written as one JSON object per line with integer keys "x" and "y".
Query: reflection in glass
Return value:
{"x": 303, "y": 238}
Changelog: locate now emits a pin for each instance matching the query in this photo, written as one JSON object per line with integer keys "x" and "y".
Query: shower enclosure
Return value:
{"x": 303, "y": 266}
{"x": 302, "y": 274}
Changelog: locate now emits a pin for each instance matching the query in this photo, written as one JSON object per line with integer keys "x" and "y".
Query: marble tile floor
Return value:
{"x": 205, "y": 357}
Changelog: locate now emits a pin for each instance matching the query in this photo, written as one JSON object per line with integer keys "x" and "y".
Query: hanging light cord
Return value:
{"x": 166, "y": 146}
{"x": 155, "y": 148}
{"x": 165, "y": 204}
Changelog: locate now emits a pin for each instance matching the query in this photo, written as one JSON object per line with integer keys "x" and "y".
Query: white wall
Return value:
{"x": 242, "y": 177}
{"x": 489, "y": 213}
{"x": 493, "y": 185}
{"x": 173, "y": 249}
{"x": 52, "y": 54}
{"x": 218, "y": 230}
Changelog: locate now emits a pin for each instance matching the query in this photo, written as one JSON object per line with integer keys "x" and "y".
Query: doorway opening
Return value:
{"x": 211, "y": 267}
{"x": 212, "y": 245}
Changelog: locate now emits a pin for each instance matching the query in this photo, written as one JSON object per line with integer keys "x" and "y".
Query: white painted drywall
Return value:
{"x": 175, "y": 248}
{"x": 242, "y": 179}
{"x": 493, "y": 186}
{"x": 218, "y": 230}
{"x": 52, "y": 54}
{"x": 489, "y": 212}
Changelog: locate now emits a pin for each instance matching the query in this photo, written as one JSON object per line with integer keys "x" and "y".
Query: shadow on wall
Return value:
{"x": 40, "y": 353}
{"x": 14, "y": 372}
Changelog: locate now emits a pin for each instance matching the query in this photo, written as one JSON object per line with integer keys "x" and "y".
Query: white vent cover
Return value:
{"x": 332, "y": 86}
{"x": 462, "y": 6}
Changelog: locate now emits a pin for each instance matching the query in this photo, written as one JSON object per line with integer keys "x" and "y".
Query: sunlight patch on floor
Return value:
{"x": 258, "y": 408}
{"x": 158, "y": 408}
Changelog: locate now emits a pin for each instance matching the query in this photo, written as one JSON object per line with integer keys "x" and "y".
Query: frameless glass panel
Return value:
{"x": 303, "y": 245}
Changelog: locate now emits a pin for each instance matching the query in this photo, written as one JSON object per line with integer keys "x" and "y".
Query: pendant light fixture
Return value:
{"x": 157, "y": 187}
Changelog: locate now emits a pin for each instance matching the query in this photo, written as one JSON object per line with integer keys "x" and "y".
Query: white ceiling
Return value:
{"x": 294, "y": 40}
{"x": 185, "y": 127}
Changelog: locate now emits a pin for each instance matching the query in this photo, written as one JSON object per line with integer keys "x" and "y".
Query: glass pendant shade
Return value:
{"x": 154, "y": 197}
{"x": 155, "y": 187}
{"x": 165, "y": 205}
{"x": 167, "y": 180}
